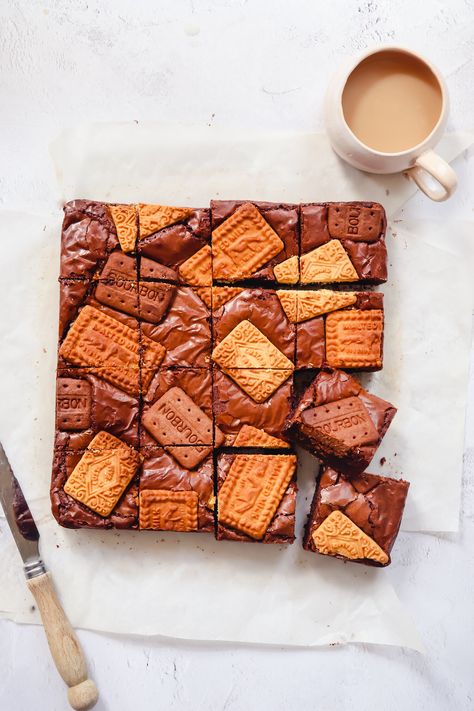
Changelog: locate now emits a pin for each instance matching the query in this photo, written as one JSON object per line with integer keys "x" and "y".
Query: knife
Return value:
{"x": 63, "y": 643}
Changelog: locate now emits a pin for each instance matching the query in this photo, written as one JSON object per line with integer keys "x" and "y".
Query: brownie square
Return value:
{"x": 374, "y": 504}
{"x": 340, "y": 422}
{"x": 87, "y": 403}
{"x": 256, "y": 497}
{"x": 250, "y": 238}
{"x": 263, "y": 309}
{"x": 72, "y": 513}
{"x": 88, "y": 236}
{"x": 233, "y": 407}
{"x": 346, "y": 332}
{"x": 173, "y": 497}
{"x": 358, "y": 228}
{"x": 169, "y": 237}
{"x": 177, "y": 411}
{"x": 184, "y": 331}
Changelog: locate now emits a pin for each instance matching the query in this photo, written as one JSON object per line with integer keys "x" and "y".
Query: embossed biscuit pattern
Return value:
{"x": 103, "y": 473}
{"x": 250, "y": 436}
{"x": 165, "y": 510}
{"x": 354, "y": 338}
{"x": 338, "y": 535}
{"x": 152, "y": 218}
{"x": 242, "y": 244}
{"x": 125, "y": 220}
{"x": 252, "y": 491}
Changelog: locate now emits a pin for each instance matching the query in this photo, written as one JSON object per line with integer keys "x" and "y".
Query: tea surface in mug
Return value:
{"x": 392, "y": 101}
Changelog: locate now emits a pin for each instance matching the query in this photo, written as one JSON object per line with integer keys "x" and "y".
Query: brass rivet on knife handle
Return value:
{"x": 63, "y": 644}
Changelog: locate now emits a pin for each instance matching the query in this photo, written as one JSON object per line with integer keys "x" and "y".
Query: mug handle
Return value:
{"x": 431, "y": 163}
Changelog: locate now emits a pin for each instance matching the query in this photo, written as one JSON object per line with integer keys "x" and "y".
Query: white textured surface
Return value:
{"x": 65, "y": 62}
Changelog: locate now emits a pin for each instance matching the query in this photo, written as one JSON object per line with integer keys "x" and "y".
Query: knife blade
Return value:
{"x": 63, "y": 643}
{"x": 19, "y": 518}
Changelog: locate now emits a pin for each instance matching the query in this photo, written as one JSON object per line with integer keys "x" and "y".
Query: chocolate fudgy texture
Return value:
{"x": 184, "y": 335}
{"x": 373, "y": 503}
{"x": 339, "y": 421}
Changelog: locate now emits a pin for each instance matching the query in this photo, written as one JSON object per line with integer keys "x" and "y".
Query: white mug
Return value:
{"x": 419, "y": 161}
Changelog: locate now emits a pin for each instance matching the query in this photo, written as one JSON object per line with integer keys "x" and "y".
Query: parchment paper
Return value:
{"x": 190, "y": 586}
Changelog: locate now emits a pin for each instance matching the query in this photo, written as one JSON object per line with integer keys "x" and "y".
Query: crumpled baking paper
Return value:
{"x": 189, "y": 586}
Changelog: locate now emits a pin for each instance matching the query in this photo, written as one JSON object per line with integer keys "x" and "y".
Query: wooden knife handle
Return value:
{"x": 63, "y": 644}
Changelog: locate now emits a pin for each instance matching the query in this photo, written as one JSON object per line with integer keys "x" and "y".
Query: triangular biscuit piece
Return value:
{"x": 328, "y": 263}
{"x": 322, "y": 301}
{"x": 197, "y": 270}
{"x": 287, "y": 272}
{"x": 125, "y": 220}
{"x": 338, "y": 535}
{"x": 289, "y": 302}
{"x": 250, "y": 436}
{"x": 155, "y": 217}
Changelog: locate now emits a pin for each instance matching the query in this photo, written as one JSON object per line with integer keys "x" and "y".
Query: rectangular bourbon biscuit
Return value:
{"x": 176, "y": 422}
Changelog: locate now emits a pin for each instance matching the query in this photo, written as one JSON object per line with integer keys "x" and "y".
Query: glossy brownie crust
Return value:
{"x": 374, "y": 503}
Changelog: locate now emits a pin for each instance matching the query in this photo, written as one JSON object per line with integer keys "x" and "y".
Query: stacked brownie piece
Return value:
{"x": 196, "y": 346}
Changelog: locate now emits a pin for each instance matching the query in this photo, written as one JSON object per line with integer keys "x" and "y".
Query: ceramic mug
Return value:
{"x": 414, "y": 106}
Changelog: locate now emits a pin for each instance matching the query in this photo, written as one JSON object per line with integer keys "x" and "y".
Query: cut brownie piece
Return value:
{"x": 345, "y": 507}
{"x": 119, "y": 288}
{"x": 343, "y": 329}
{"x": 234, "y": 407}
{"x": 339, "y": 242}
{"x": 177, "y": 238}
{"x": 111, "y": 348}
{"x": 96, "y": 487}
{"x": 183, "y": 428}
{"x": 264, "y": 310}
{"x": 339, "y": 421}
{"x": 250, "y": 238}
{"x": 87, "y": 403}
{"x": 174, "y": 497}
{"x": 185, "y": 331}
{"x": 195, "y": 382}
{"x": 359, "y": 228}
{"x": 256, "y": 496}
{"x": 88, "y": 236}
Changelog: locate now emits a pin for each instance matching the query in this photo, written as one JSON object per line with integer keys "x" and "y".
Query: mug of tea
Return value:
{"x": 385, "y": 111}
